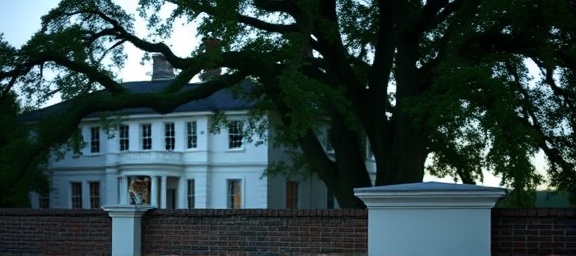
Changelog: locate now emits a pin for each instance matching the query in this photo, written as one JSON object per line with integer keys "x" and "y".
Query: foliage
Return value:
{"x": 441, "y": 80}
{"x": 15, "y": 186}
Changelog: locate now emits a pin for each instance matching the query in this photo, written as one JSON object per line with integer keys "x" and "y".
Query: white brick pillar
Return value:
{"x": 429, "y": 218}
{"x": 126, "y": 228}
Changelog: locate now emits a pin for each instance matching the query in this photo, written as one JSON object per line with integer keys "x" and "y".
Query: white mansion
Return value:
{"x": 187, "y": 165}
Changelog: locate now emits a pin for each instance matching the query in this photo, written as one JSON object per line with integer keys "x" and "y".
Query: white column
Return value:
{"x": 154, "y": 191}
{"x": 182, "y": 193}
{"x": 429, "y": 218}
{"x": 124, "y": 190}
{"x": 126, "y": 228}
{"x": 163, "y": 190}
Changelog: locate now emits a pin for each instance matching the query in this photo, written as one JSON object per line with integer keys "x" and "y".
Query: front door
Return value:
{"x": 171, "y": 198}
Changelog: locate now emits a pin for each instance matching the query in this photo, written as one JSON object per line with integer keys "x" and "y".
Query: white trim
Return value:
{"x": 135, "y": 117}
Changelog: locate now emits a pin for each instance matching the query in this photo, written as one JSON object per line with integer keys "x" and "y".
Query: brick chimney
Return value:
{"x": 211, "y": 45}
{"x": 161, "y": 69}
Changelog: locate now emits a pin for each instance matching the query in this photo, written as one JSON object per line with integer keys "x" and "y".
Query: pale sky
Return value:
{"x": 19, "y": 19}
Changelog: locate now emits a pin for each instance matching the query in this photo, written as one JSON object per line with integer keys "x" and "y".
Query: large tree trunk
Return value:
{"x": 402, "y": 160}
{"x": 350, "y": 163}
{"x": 403, "y": 150}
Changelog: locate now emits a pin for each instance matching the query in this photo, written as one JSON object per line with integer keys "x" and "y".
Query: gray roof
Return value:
{"x": 221, "y": 100}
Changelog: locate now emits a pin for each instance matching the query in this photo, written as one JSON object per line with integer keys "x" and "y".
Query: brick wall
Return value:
{"x": 254, "y": 232}
{"x": 54, "y": 232}
{"x": 534, "y": 231}
{"x": 259, "y": 232}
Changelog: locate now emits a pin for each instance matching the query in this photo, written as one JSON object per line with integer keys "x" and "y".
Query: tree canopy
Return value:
{"x": 437, "y": 85}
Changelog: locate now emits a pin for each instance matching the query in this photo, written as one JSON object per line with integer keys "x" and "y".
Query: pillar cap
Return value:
{"x": 127, "y": 210}
{"x": 430, "y": 195}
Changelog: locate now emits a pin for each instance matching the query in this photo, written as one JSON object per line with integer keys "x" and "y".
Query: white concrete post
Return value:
{"x": 126, "y": 228}
{"x": 429, "y": 218}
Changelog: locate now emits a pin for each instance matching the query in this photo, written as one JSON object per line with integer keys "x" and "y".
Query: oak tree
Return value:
{"x": 440, "y": 85}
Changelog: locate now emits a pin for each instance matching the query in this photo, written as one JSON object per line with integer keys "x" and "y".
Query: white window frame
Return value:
{"x": 235, "y": 134}
{"x": 74, "y": 196}
{"x": 44, "y": 200}
{"x": 234, "y": 190}
{"x": 169, "y": 136}
{"x": 191, "y": 135}
{"x": 124, "y": 135}
{"x": 95, "y": 195}
{"x": 94, "y": 139}
{"x": 146, "y": 136}
{"x": 191, "y": 197}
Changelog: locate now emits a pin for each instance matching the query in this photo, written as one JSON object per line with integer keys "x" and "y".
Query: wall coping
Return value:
{"x": 430, "y": 195}
{"x": 430, "y": 186}
{"x": 354, "y": 213}
{"x": 52, "y": 212}
{"x": 534, "y": 212}
{"x": 335, "y": 213}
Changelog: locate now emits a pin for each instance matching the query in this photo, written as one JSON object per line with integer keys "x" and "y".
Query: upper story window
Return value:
{"x": 146, "y": 136}
{"x": 234, "y": 194}
{"x": 124, "y": 137}
{"x": 169, "y": 136}
{"x": 95, "y": 139}
{"x": 192, "y": 132}
{"x": 235, "y": 134}
{"x": 76, "y": 195}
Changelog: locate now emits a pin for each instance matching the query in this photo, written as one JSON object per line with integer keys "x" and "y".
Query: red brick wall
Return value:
{"x": 534, "y": 231}
{"x": 54, "y": 232}
{"x": 259, "y": 232}
{"x": 254, "y": 232}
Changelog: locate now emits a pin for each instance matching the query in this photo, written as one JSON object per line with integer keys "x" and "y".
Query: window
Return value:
{"x": 191, "y": 193}
{"x": 146, "y": 136}
{"x": 94, "y": 139}
{"x": 234, "y": 194}
{"x": 292, "y": 195}
{"x": 169, "y": 136}
{"x": 94, "y": 195}
{"x": 124, "y": 137}
{"x": 192, "y": 134}
{"x": 329, "y": 200}
{"x": 44, "y": 200}
{"x": 76, "y": 195}
{"x": 235, "y": 134}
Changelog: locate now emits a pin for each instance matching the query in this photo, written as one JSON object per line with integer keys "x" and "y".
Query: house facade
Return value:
{"x": 185, "y": 162}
